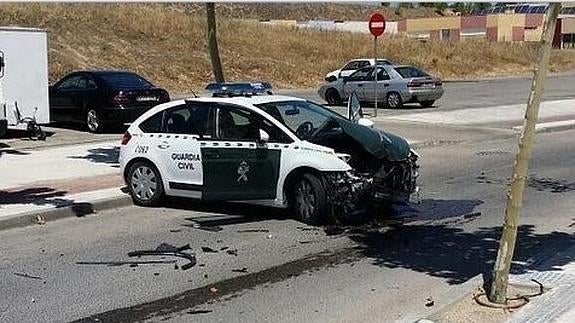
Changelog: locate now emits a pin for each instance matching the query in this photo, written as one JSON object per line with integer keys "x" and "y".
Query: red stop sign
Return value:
{"x": 376, "y": 24}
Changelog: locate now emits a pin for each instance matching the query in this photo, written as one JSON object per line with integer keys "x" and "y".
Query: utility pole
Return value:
{"x": 498, "y": 292}
{"x": 213, "y": 43}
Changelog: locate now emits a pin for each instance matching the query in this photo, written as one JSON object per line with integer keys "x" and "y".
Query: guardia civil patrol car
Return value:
{"x": 275, "y": 150}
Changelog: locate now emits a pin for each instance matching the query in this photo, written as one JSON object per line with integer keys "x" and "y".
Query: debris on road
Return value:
{"x": 175, "y": 230}
{"x": 199, "y": 312}
{"x": 211, "y": 228}
{"x": 39, "y": 219}
{"x": 122, "y": 263}
{"x": 165, "y": 249}
{"x": 429, "y": 302}
{"x": 208, "y": 250}
{"x": 269, "y": 236}
{"x": 243, "y": 270}
{"x": 233, "y": 252}
{"x": 213, "y": 290}
{"x": 307, "y": 228}
{"x": 25, "y": 275}
{"x": 253, "y": 230}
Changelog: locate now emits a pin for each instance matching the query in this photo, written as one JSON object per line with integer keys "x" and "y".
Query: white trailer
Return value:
{"x": 23, "y": 76}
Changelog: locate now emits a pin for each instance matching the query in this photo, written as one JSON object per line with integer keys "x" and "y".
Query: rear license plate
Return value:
{"x": 146, "y": 98}
{"x": 428, "y": 85}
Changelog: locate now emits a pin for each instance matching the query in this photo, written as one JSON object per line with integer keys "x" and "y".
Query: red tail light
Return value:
{"x": 126, "y": 138}
{"x": 121, "y": 98}
{"x": 164, "y": 97}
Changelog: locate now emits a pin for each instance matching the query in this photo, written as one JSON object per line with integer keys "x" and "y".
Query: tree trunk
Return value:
{"x": 498, "y": 292}
{"x": 213, "y": 43}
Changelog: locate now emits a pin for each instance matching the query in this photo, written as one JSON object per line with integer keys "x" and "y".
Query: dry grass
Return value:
{"x": 166, "y": 44}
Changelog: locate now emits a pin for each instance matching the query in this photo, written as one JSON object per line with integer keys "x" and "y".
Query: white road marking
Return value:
{"x": 503, "y": 113}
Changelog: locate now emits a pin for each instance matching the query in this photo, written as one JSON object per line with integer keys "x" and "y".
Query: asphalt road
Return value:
{"x": 285, "y": 271}
{"x": 476, "y": 94}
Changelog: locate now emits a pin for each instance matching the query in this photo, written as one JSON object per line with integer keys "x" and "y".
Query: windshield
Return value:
{"x": 410, "y": 71}
{"x": 301, "y": 117}
{"x": 125, "y": 81}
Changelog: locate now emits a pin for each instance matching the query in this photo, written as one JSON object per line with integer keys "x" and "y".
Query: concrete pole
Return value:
{"x": 498, "y": 292}
{"x": 213, "y": 43}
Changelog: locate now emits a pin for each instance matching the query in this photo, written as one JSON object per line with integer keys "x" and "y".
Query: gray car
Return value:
{"x": 396, "y": 85}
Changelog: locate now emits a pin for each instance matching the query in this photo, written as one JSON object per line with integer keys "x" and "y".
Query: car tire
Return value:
{"x": 393, "y": 100}
{"x": 309, "y": 199}
{"x": 332, "y": 97}
{"x": 94, "y": 122}
{"x": 427, "y": 104}
{"x": 145, "y": 184}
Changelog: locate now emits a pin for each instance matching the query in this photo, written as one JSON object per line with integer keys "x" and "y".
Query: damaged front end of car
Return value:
{"x": 384, "y": 167}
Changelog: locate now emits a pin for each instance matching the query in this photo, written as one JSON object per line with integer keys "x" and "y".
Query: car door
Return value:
{"x": 237, "y": 165}
{"x": 178, "y": 148}
{"x": 62, "y": 98}
{"x": 356, "y": 83}
{"x": 383, "y": 84}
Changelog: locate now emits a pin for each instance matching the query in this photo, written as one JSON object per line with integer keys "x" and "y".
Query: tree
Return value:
{"x": 213, "y": 43}
{"x": 498, "y": 292}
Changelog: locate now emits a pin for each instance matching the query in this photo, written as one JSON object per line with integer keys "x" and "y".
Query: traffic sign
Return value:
{"x": 376, "y": 24}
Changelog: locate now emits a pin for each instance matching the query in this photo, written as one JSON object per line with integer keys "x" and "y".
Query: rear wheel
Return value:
{"x": 309, "y": 200}
{"x": 145, "y": 184}
{"x": 332, "y": 97}
{"x": 94, "y": 122}
{"x": 393, "y": 100}
{"x": 427, "y": 104}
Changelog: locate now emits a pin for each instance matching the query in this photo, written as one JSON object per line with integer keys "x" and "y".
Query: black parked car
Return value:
{"x": 101, "y": 98}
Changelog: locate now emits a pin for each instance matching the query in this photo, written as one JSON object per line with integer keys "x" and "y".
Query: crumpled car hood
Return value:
{"x": 379, "y": 143}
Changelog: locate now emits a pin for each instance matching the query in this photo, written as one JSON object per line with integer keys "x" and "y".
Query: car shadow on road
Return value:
{"x": 225, "y": 213}
{"x": 80, "y": 127}
{"x": 450, "y": 252}
{"x": 4, "y": 150}
{"x": 44, "y": 196}
{"x": 23, "y": 134}
{"x": 102, "y": 156}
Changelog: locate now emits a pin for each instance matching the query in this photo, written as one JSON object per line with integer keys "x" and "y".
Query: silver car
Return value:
{"x": 396, "y": 85}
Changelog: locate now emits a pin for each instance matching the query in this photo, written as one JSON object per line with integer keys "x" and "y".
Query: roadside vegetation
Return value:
{"x": 166, "y": 44}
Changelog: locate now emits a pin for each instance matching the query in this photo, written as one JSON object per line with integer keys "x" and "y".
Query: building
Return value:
{"x": 515, "y": 23}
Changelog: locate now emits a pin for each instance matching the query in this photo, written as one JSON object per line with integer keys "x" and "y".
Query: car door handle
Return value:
{"x": 359, "y": 85}
{"x": 164, "y": 145}
{"x": 386, "y": 84}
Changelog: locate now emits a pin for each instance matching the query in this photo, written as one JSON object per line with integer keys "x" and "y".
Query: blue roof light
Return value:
{"x": 239, "y": 88}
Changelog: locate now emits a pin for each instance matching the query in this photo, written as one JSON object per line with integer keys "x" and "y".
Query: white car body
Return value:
{"x": 179, "y": 158}
{"x": 353, "y": 65}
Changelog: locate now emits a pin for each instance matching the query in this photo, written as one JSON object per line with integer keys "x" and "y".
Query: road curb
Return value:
{"x": 456, "y": 295}
{"x": 75, "y": 209}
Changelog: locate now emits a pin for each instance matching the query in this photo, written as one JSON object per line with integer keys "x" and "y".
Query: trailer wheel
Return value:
{"x": 3, "y": 127}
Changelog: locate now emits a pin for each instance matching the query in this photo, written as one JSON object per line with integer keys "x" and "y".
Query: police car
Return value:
{"x": 274, "y": 150}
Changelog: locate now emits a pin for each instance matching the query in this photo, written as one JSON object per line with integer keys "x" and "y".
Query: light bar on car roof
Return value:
{"x": 239, "y": 88}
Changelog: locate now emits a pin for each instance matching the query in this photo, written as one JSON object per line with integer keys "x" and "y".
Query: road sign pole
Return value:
{"x": 376, "y": 27}
{"x": 375, "y": 74}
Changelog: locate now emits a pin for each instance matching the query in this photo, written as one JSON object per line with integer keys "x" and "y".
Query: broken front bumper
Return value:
{"x": 394, "y": 182}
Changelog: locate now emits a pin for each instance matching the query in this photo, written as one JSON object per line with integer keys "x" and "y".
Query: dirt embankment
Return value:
{"x": 166, "y": 43}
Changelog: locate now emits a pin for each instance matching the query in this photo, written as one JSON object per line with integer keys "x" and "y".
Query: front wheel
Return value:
{"x": 145, "y": 184}
{"x": 393, "y": 100}
{"x": 94, "y": 122}
{"x": 332, "y": 97}
{"x": 309, "y": 199}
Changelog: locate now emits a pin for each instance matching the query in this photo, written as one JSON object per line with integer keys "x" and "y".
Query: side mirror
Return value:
{"x": 366, "y": 122}
{"x": 331, "y": 78}
{"x": 264, "y": 136}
